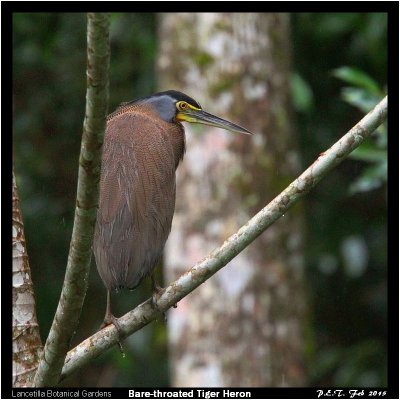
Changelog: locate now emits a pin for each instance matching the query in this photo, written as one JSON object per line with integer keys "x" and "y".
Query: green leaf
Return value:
{"x": 372, "y": 178}
{"x": 360, "y": 98}
{"x": 302, "y": 95}
{"x": 358, "y": 78}
{"x": 369, "y": 153}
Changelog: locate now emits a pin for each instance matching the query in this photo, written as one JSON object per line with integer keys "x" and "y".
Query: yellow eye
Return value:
{"x": 182, "y": 106}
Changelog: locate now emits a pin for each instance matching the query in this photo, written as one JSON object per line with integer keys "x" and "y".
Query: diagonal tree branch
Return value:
{"x": 145, "y": 312}
{"x": 76, "y": 277}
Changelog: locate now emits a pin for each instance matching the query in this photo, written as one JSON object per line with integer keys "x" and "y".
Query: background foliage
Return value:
{"x": 339, "y": 70}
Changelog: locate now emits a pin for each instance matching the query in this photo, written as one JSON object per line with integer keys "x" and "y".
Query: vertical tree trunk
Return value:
{"x": 27, "y": 345}
{"x": 243, "y": 327}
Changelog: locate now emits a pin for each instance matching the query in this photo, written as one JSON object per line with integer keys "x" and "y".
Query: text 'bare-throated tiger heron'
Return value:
{"x": 143, "y": 145}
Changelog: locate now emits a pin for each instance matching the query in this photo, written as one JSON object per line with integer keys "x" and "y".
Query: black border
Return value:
{"x": 174, "y": 393}
{"x": 392, "y": 8}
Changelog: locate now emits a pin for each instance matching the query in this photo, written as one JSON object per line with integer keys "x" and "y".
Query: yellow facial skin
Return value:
{"x": 189, "y": 113}
{"x": 183, "y": 109}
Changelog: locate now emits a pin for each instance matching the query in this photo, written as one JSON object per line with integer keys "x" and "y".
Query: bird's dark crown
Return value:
{"x": 164, "y": 103}
{"x": 174, "y": 95}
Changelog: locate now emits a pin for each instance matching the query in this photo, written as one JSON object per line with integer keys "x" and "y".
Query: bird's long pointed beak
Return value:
{"x": 202, "y": 117}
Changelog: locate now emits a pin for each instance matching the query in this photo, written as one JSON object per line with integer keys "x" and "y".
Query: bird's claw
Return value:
{"x": 108, "y": 320}
{"x": 157, "y": 292}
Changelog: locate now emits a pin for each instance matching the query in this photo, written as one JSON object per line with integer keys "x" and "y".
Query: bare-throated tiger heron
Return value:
{"x": 143, "y": 145}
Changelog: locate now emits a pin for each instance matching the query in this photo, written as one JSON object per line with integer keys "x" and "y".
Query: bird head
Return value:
{"x": 174, "y": 106}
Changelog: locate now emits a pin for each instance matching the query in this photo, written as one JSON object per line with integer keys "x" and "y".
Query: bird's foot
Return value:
{"x": 108, "y": 320}
{"x": 157, "y": 292}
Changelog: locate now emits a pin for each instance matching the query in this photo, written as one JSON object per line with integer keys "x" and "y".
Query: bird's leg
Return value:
{"x": 157, "y": 291}
{"x": 109, "y": 318}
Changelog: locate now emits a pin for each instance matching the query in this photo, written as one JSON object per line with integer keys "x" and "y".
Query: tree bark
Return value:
{"x": 27, "y": 345}
{"x": 243, "y": 327}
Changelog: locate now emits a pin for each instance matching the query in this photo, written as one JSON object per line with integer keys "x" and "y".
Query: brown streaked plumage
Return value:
{"x": 143, "y": 145}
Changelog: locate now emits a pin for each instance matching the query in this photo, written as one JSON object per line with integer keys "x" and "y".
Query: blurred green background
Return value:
{"x": 339, "y": 72}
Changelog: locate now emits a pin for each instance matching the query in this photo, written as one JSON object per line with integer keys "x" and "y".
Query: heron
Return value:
{"x": 144, "y": 143}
